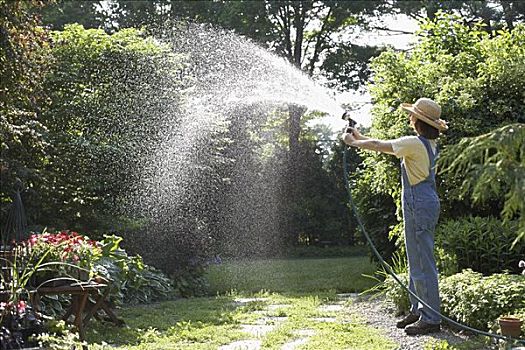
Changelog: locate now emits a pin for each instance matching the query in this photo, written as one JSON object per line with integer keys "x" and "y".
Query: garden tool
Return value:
{"x": 351, "y": 123}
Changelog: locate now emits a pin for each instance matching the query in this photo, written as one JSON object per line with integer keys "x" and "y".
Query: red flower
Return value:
{"x": 21, "y": 307}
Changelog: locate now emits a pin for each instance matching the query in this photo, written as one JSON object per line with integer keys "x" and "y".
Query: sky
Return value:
{"x": 362, "y": 101}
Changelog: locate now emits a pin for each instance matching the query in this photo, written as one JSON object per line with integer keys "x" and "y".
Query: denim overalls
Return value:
{"x": 420, "y": 215}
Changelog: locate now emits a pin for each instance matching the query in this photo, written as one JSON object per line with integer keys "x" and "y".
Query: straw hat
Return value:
{"x": 428, "y": 111}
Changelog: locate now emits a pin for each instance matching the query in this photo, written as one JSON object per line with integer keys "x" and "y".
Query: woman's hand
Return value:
{"x": 348, "y": 138}
{"x": 355, "y": 133}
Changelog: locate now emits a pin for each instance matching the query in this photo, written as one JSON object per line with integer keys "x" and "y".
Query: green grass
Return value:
{"x": 208, "y": 323}
{"x": 300, "y": 286}
{"x": 293, "y": 275}
{"x": 295, "y": 290}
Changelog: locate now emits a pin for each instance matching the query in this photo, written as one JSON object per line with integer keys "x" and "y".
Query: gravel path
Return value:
{"x": 378, "y": 314}
{"x": 374, "y": 312}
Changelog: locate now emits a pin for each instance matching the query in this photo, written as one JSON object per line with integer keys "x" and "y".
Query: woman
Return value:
{"x": 420, "y": 206}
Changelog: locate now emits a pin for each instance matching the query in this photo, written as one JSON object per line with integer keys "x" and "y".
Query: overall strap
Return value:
{"x": 431, "y": 156}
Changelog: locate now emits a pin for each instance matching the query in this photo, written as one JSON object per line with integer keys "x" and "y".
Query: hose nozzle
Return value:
{"x": 346, "y": 116}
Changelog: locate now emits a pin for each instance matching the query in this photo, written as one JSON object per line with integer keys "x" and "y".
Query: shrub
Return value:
{"x": 397, "y": 294}
{"x": 134, "y": 282}
{"x": 469, "y": 297}
{"x": 482, "y": 244}
{"x": 477, "y": 300}
{"x": 390, "y": 287}
{"x": 191, "y": 281}
{"x": 479, "y": 89}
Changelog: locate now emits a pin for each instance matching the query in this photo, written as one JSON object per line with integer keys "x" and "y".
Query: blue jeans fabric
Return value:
{"x": 420, "y": 215}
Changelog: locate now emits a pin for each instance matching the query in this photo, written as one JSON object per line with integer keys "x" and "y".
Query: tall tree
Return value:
{"x": 23, "y": 63}
{"x": 87, "y": 13}
{"x": 301, "y": 31}
{"x": 493, "y": 13}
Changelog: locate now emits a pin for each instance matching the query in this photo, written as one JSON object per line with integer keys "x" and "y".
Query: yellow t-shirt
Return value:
{"x": 415, "y": 157}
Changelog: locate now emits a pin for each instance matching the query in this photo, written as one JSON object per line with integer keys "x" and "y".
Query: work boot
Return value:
{"x": 422, "y": 327}
{"x": 409, "y": 319}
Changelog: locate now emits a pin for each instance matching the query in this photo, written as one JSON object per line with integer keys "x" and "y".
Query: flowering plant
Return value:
{"x": 18, "y": 323}
{"x": 65, "y": 252}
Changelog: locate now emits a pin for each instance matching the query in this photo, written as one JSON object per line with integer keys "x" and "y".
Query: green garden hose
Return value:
{"x": 389, "y": 270}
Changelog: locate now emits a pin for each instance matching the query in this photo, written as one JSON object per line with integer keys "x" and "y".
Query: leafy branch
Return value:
{"x": 492, "y": 166}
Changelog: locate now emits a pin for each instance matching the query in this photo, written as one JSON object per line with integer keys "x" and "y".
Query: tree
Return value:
{"x": 462, "y": 68}
{"x": 492, "y": 165}
{"x": 89, "y": 14}
{"x": 493, "y": 13}
{"x": 101, "y": 111}
{"x": 303, "y": 32}
{"x": 23, "y": 63}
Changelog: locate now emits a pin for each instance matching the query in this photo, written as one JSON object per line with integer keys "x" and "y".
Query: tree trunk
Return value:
{"x": 508, "y": 14}
{"x": 292, "y": 191}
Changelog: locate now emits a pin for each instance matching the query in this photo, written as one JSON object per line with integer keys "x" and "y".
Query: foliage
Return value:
{"x": 115, "y": 99}
{"x": 53, "y": 255}
{"x": 326, "y": 251}
{"x": 469, "y": 297}
{"x": 334, "y": 166}
{"x": 493, "y": 13}
{"x": 386, "y": 285}
{"x": 321, "y": 213}
{"x": 493, "y": 165}
{"x": 477, "y": 300}
{"x": 470, "y": 344}
{"x": 460, "y": 67}
{"x": 347, "y": 66}
{"x": 18, "y": 322}
{"x": 101, "y": 110}
{"x": 191, "y": 282}
{"x": 23, "y": 63}
{"x": 63, "y": 12}
{"x": 59, "y": 254}
{"x": 304, "y": 33}
{"x": 483, "y": 244}
{"x": 132, "y": 281}
{"x": 377, "y": 211}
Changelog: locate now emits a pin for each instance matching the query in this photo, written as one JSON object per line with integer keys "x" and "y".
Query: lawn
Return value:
{"x": 270, "y": 303}
{"x": 208, "y": 323}
{"x": 344, "y": 274}
{"x": 292, "y": 291}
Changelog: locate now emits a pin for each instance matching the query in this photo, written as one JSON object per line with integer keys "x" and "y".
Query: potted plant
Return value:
{"x": 510, "y": 326}
{"x": 64, "y": 257}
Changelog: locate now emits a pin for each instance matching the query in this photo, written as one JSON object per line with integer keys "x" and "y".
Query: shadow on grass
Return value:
{"x": 150, "y": 322}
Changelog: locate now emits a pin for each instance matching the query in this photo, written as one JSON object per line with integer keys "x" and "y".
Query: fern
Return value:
{"x": 493, "y": 166}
